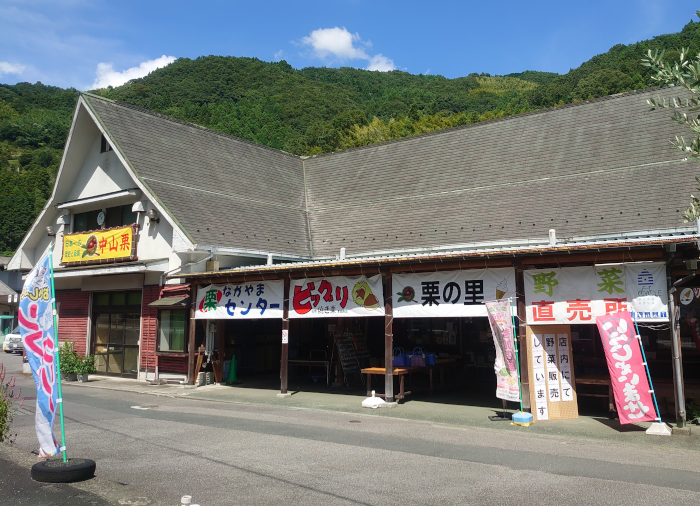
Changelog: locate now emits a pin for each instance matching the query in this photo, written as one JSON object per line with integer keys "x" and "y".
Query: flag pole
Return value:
{"x": 517, "y": 354}
{"x": 646, "y": 365}
{"x": 58, "y": 357}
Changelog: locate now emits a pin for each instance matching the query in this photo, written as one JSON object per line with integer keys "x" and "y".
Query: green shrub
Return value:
{"x": 73, "y": 363}
{"x": 69, "y": 358}
{"x": 8, "y": 399}
{"x": 86, "y": 365}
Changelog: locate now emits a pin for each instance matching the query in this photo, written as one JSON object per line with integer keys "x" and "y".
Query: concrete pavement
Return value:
{"x": 232, "y": 449}
{"x": 447, "y": 408}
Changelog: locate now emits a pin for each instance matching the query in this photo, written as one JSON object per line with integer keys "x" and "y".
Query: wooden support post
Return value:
{"x": 339, "y": 374}
{"x": 221, "y": 354}
{"x": 522, "y": 332}
{"x": 284, "y": 363}
{"x": 200, "y": 359}
{"x": 192, "y": 331}
{"x": 388, "y": 340}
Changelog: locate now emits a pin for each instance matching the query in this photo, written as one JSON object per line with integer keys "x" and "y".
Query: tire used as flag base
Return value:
{"x": 57, "y": 471}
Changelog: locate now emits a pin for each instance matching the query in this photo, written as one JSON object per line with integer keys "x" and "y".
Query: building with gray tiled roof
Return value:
{"x": 578, "y": 185}
{"x": 602, "y": 168}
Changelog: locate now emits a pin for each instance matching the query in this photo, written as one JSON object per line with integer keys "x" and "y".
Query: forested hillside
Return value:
{"x": 307, "y": 111}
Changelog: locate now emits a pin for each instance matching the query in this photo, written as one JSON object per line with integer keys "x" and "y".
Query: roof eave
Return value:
{"x": 502, "y": 251}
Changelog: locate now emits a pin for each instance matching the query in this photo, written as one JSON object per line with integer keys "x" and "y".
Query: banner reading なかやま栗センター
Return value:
{"x": 236, "y": 301}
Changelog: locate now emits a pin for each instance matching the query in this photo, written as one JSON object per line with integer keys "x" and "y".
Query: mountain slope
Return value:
{"x": 307, "y": 111}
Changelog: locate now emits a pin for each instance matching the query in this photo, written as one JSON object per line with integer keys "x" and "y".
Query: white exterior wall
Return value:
{"x": 86, "y": 173}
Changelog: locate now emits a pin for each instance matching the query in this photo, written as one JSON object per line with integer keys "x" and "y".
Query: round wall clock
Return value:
{"x": 101, "y": 218}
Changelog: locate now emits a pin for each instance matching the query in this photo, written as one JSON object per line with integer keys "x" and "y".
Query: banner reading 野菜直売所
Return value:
{"x": 575, "y": 295}
{"x": 626, "y": 366}
{"x": 505, "y": 366}
{"x": 37, "y": 331}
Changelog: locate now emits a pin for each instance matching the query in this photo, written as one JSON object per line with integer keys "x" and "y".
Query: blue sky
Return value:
{"x": 82, "y": 43}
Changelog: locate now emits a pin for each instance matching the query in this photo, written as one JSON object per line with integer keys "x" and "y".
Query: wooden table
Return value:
{"x": 600, "y": 380}
{"x": 402, "y": 371}
{"x": 312, "y": 363}
{"x": 381, "y": 371}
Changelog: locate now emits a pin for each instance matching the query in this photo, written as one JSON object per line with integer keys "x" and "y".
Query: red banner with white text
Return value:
{"x": 627, "y": 372}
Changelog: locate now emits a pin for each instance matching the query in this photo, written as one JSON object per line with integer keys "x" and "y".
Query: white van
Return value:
{"x": 13, "y": 342}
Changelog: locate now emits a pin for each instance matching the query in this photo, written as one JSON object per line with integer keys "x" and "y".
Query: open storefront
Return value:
{"x": 567, "y": 368}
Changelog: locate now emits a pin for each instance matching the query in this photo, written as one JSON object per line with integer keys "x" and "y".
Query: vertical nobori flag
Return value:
{"x": 505, "y": 366}
{"x": 37, "y": 331}
{"x": 626, "y": 366}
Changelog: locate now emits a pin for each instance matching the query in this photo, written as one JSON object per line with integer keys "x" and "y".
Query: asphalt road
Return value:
{"x": 153, "y": 450}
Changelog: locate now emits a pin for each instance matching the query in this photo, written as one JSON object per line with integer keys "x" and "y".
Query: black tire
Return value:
{"x": 57, "y": 471}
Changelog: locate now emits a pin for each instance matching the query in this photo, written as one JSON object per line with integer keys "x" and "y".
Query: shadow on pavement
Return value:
{"x": 615, "y": 425}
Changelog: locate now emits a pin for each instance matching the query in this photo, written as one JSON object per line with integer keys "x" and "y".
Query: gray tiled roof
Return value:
{"x": 586, "y": 169}
{"x": 6, "y": 290}
{"x": 223, "y": 190}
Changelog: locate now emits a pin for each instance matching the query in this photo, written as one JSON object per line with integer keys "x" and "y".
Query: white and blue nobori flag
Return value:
{"x": 37, "y": 331}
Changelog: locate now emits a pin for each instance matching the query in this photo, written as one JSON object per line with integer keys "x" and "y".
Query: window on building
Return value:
{"x": 104, "y": 145}
{"x": 82, "y": 222}
{"x": 117, "y": 216}
{"x": 171, "y": 330}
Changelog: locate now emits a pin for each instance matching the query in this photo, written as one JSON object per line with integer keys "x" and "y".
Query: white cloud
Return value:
{"x": 381, "y": 63}
{"x": 11, "y": 68}
{"x": 107, "y": 76}
{"x": 337, "y": 42}
{"x": 278, "y": 55}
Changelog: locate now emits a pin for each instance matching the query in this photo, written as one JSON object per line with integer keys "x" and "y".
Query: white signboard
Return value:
{"x": 570, "y": 295}
{"x": 539, "y": 358}
{"x": 450, "y": 293}
{"x": 255, "y": 299}
{"x": 336, "y": 297}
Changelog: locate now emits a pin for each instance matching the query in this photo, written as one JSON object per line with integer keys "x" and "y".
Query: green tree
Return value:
{"x": 683, "y": 73}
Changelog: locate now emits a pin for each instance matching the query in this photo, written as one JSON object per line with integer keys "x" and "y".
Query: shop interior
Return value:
{"x": 590, "y": 364}
{"x": 327, "y": 354}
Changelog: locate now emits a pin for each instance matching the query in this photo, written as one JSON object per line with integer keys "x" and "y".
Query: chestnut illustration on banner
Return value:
{"x": 408, "y": 294}
{"x": 363, "y": 296}
{"x": 90, "y": 247}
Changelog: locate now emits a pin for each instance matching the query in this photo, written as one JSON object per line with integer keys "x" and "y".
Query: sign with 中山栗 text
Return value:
{"x": 506, "y": 364}
{"x": 626, "y": 366}
{"x": 336, "y": 297}
{"x": 250, "y": 300}
{"x": 573, "y": 295}
{"x": 450, "y": 293}
{"x": 99, "y": 246}
{"x": 550, "y": 372}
